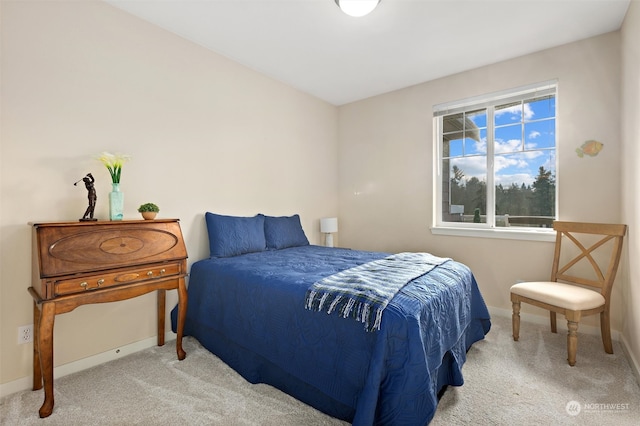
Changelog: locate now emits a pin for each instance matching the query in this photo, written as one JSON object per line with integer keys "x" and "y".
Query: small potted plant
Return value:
{"x": 149, "y": 211}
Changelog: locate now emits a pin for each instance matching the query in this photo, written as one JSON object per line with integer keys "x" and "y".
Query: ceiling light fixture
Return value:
{"x": 357, "y": 8}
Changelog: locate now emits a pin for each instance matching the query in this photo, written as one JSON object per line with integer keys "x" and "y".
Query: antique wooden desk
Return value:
{"x": 78, "y": 263}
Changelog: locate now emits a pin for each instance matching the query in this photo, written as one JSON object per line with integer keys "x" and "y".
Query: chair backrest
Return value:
{"x": 598, "y": 235}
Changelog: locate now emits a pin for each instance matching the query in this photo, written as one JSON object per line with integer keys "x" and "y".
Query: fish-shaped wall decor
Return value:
{"x": 590, "y": 148}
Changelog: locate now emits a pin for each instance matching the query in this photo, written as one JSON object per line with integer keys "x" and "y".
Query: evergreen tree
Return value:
{"x": 543, "y": 197}
{"x": 476, "y": 216}
{"x": 456, "y": 189}
{"x": 516, "y": 200}
{"x": 475, "y": 194}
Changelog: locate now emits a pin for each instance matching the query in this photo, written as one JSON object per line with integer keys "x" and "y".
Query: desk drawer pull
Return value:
{"x": 102, "y": 280}
{"x": 85, "y": 285}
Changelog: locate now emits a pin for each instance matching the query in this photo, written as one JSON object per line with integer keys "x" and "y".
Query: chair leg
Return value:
{"x": 515, "y": 320}
{"x": 552, "y": 317}
{"x": 605, "y": 330}
{"x": 572, "y": 342}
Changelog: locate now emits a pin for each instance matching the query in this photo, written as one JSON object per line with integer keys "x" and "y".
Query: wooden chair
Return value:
{"x": 571, "y": 297}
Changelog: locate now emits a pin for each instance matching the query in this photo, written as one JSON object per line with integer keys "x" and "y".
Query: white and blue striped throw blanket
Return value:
{"x": 363, "y": 292}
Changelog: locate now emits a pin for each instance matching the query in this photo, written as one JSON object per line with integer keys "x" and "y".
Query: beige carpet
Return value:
{"x": 530, "y": 383}
{"x": 506, "y": 383}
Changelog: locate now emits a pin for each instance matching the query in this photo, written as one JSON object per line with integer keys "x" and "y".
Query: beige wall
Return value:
{"x": 204, "y": 133}
{"x": 386, "y": 157}
{"x": 630, "y": 35}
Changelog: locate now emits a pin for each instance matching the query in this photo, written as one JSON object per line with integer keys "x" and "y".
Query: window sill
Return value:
{"x": 526, "y": 234}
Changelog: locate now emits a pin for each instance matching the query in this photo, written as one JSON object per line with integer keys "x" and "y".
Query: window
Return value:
{"x": 496, "y": 161}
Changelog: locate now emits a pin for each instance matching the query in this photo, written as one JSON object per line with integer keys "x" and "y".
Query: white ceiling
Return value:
{"x": 314, "y": 47}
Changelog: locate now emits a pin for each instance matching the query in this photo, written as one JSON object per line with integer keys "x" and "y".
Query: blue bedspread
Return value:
{"x": 249, "y": 311}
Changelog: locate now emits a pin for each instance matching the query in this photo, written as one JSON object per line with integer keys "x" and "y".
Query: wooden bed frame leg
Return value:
{"x": 515, "y": 320}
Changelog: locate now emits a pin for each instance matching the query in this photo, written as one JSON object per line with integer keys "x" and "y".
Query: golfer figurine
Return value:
{"x": 91, "y": 194}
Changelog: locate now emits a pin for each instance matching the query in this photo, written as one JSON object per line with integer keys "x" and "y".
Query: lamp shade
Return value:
{"x": 329, "y": 225}
{"x": 357, "y": 8}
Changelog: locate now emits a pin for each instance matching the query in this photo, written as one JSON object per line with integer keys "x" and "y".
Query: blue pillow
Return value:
{"x": 284, "y": 231}
{"x": 233, "y": 235}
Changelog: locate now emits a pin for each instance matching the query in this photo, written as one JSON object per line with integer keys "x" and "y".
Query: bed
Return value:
{"x": 249, "y": 305}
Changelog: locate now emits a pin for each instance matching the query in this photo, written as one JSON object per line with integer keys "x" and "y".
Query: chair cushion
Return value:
{"x": 565, "y": 296}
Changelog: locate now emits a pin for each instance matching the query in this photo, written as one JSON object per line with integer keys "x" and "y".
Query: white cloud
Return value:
{"x": 516, "y": 111}
{"x": 481, "y": 146}
{"x": 472, "y": 167}
{"x": 512, "y": 145}
{"x": 518, "y": 179}
{"x": 505, "y": 161}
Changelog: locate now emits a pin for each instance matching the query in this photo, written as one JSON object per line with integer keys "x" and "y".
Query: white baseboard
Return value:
{"x": 26, "y": 383}
{"x": 633, "y": 362}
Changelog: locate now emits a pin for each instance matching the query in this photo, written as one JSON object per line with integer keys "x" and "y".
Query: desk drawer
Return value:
{"x": 111, "y": 278}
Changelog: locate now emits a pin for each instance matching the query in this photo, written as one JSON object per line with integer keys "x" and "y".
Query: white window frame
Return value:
{"x": 488, "y": 229}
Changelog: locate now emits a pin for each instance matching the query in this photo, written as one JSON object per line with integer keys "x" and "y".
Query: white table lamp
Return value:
{"x": 328, "y": 226}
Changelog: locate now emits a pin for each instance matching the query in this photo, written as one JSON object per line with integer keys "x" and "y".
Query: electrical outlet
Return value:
{"x": 25, "y": 334}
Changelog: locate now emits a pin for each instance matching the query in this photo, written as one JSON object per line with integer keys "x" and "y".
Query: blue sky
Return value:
{"x": 524, "y": 140}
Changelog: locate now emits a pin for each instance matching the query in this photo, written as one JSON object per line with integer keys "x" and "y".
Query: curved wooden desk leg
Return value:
{"x": 45, "y": 346}
{"x": 162, "y": 295}
{"x": 37, "y": 371}
{"x": 182, "y": 314}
